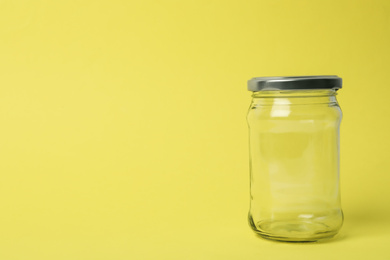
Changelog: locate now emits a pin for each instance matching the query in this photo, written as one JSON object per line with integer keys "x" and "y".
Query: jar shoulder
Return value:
{"x": 330, "y": 111}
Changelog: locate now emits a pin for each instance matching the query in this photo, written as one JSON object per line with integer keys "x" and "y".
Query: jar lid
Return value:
{"x": 294, "y": 83}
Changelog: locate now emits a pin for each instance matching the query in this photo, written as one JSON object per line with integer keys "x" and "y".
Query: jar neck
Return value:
{"x": 291, "y": 97}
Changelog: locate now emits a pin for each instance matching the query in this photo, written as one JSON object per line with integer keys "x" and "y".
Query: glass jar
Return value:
{"x": 294, "y": 127}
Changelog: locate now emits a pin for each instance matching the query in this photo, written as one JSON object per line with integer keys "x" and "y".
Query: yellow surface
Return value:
{"x": 123, "y": 132}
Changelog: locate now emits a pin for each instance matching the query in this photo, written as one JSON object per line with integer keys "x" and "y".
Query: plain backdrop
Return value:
{"x": 123, "y": 124}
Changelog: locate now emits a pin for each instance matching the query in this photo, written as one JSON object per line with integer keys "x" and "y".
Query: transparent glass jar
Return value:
{"x": 294, "y": 127}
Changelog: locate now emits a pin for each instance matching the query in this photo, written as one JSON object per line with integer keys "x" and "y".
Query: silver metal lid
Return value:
{"x": 296, "y": 82}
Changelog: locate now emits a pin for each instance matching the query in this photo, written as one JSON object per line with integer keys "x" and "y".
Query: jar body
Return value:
{"x": 294, "y": 164}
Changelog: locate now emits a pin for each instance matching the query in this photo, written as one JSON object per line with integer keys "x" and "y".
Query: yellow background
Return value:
{"x": 123, "y": 132}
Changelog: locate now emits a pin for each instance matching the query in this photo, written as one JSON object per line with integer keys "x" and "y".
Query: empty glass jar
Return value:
{"x": 294, "y": 127}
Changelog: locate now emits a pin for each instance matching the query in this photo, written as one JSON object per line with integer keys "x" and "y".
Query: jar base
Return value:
{"x": 294, "y": 231}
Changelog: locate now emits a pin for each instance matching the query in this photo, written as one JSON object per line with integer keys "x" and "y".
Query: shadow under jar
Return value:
{"x": 294, "y": 125}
